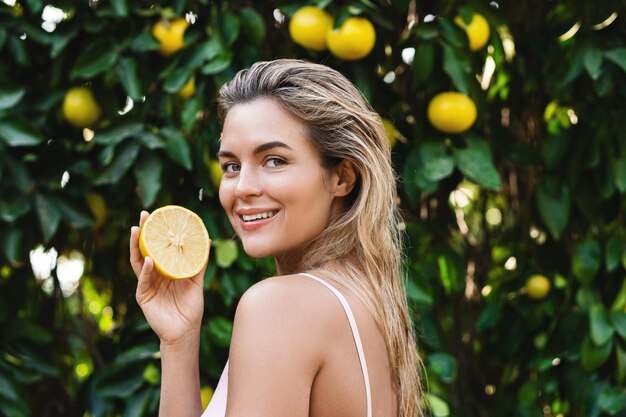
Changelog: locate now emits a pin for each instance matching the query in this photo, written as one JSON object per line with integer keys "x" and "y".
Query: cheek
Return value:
{"x": 225, "y": 195}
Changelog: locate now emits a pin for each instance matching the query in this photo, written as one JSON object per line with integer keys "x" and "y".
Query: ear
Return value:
{"x": 344, "y": 179}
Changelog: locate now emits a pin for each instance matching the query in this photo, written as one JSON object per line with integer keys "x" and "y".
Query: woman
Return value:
{"x": 307, "y": 180}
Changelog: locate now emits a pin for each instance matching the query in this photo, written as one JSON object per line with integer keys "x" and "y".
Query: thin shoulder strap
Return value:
{"x": 357, "y": 339}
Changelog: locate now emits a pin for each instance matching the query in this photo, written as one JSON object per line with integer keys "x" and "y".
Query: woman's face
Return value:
{"x": 274, "y": 189}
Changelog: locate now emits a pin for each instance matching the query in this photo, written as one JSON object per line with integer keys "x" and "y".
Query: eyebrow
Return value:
{"x": 259, "y": 149}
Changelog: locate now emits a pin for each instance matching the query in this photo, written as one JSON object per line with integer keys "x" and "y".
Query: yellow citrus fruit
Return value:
{"x": 189, "y": 89}
{"x": 80, "y": 107}
{"x": 170, "y": 35}
{"x": 176, "y": 240}
{"x": 308, "y": 27}
{"x": 537, "y": 286}
{"x": 354, "y": 40}
{"x": 98, "y": 208}
{"x": 215, "y": 173}
{"x": 391, "y": 131}
{"x": 206, "y": 393}
{"x": 477, "y": 30}
{"x": 451, "y": 112}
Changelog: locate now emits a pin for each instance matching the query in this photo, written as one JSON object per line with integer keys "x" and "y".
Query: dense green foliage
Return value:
{"x": 536, "y": 186}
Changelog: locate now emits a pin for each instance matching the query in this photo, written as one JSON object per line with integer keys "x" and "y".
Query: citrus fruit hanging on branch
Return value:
{"x": 537, "y": 286}
{"x": 308, "y": 27}
{"x": 80, "y": 107}
{"x": 176, "y": 240}
{"x": 189, "y": 89}
{"x": 451, "y": 112}
{"x": 170, "y": 35}
{"x": 353, "y": 40}
{"x": 477, "y": 30}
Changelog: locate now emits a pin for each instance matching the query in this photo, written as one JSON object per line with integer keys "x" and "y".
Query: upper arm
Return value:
{"x": 275, "y": 352}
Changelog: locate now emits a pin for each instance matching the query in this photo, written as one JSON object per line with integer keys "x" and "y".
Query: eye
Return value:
{"x": 229, "y": 167}
{"x": 274, "y": 162}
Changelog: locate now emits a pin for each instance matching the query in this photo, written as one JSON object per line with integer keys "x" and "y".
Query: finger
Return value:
{"x": 142, "y": 217}
{"x": 144, "y": 279}
{"x": 136, "y": 259}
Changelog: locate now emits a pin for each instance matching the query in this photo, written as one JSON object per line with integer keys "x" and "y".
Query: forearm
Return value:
{"x": 180, "y": 379}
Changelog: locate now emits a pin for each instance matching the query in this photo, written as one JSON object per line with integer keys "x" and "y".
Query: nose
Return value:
{"x": 248, "y": 183}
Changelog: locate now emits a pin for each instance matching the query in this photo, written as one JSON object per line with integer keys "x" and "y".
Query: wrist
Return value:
{"x": 188, "y": 342}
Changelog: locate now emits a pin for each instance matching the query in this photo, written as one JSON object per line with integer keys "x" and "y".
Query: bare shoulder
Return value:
{"x": 290, "y": 301}
{"x": 278, "y": 338}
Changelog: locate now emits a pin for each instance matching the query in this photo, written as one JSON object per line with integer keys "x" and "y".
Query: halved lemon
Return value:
{"x": 176, "y": 240}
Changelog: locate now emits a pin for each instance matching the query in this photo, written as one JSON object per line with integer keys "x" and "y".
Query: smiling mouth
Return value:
{"x": 258, "y": 216}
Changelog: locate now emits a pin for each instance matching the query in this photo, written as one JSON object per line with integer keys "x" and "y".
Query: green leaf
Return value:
{"x": 120, "y": 8}
{"x": 196, "y": 55}
{"x": 230, "y": 27}
{"x": 7, "y": 389}
{"x": 437, "y": 163}
{"x": 137, "y": 404}
{"x": 423, "y": 62}
{"x": 613, "y": 252}
{"x": 121, "y": 383}
{"x": 618, "y": 318}
{"x": 443, "y": 365}
{"x": 417, "y": 294}
{"x": 427, "y": 31}
{"x": 553, "y": 203}
{"x": 148, "y": 175}
{"x": 18, "y": 133}
{"x": 11, "y": 241}
{"x": 217, "y": 65}
{"x": 620, "y": 355}
{"x": 122, "y": 161}
{"x": 177, "y": 148}
{"x": 117, "y": 134}
{"x": 586, "y": 260}
{"x": 253, "y": 25}
{"x": 10, "y": 95}
{"x": 593, "y": 62}
{"x": 438, "y": 406}
{"x": 13, "y": 208}
{"x": 220, "y": 330}
{"x": 20, "y": 175}
{"x": 177, "y": 80}
{"x": 475, "y": 162}
{"x": 575, "y": 68}
{"x": 528, "y": 393}
{"x": 49, "y": 216}
{"x": 75, "y": 216}
{"x": 137, "y": 353}
{"x": 127, "y": 72}
{"x": 452, "y": 33}
{"x": 592, "y": 357}
{"x": 456, "y": 68}
{"x": 144, "y": 42}
{"x": 612, "y": 400}
{"x": 618, "y": 56}
{"x": 600, "y": 326}
{"x": 414, "y": 177}
{"x": 35, "y": 6}
{"x": 226, "y": 252}
{"x": 98, "y": 57}
{"x": 620, "y": 174}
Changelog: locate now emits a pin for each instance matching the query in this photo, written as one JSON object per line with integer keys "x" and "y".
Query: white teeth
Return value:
{"x": 264, "y": 215}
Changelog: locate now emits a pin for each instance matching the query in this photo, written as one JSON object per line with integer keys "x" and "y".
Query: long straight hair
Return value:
{"x": 362, "y": 246}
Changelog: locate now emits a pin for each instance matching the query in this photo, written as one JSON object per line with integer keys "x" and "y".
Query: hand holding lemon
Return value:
{"x": 169, "y": 245}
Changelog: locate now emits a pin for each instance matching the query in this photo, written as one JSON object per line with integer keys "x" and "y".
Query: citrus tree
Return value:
{"x": 506, "y": 121}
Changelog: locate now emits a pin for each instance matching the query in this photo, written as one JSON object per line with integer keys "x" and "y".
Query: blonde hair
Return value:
{"x": 364, "y": 242}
